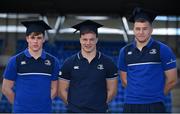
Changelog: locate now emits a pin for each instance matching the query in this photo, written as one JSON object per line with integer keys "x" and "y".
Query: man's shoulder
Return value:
{"x": 50, "y": 56}
{"x": 106, "y": 58}
{"x": 14, "y": 58}
{"x": 20, "y": 54}
{"x": 72, "y": 57}
{"x": 127, "y": 47}
{"x": 130, "y": 44}
{"x": 162, "y": 45}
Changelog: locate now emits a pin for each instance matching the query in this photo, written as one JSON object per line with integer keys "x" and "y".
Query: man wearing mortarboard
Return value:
{"x": 147, "y": 67}
{"x": 88, "y": 79}
{"x": 33, "y": 72}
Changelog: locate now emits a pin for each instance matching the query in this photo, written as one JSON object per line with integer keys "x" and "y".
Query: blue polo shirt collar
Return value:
{"x": 98, "y": 55}
{"x": 43, "y": 55}
{"x": 148, "y": 44}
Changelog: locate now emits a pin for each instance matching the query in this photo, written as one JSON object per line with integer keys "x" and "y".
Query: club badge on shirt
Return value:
{"x": 153, "y": 51}
{"x": 47, "y": 62}
{"x": 100, "y": 67}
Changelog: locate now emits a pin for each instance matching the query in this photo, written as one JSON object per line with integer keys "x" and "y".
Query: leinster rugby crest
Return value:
{"x": 100, "y": 67}
{"x": 47, "y": 62}
{"x": 153, "y": 51}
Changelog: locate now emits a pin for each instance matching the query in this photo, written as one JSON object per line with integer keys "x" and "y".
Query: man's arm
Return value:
{"x": 123, "y": 76}
{"x": 7, "y": 90}
{"x": 171, "y": 80}
{"x": 63, "y": 90}
{"x": 54, "y": 88}
{"x": 112, "y": 85}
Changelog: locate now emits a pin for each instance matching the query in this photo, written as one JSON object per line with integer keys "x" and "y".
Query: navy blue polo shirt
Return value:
{"x": 87, "y": 90}
{"x": 145, "y": 71}
{"x": 32, "y": 81}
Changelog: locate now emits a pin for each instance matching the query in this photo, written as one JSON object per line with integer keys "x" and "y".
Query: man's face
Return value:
{"x": 88, "y": 42}
{"x": 142, "y": 31}
{"x": 35, "y": 41}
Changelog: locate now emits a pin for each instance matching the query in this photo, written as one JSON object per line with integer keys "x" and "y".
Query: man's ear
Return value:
{"x": 97, "y": 40}
{"x": 26, "y": 38}
{"x": 44, "y": 39}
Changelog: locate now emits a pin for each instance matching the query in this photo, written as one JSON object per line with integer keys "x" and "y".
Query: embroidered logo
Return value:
{"x": 47, "y": 62}
{"x": 171, "y": 61}
{"x": 60, "y": 73}
{"x": 23, "y": 62}
{"x": 152, "y": 51}
{"x": 76, "y": 67}
{"x": 100, "y": 67}
{"x": 129, "y": 53}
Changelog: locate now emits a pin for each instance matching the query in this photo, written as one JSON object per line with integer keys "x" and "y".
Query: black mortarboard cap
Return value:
{"x": 144, "y": 14}
{"x": 87, "y": 26}
{"x": 35, "y": 26}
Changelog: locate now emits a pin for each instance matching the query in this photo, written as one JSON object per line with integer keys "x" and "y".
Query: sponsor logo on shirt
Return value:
{"x": 171, "y": 61}
{"x": 76, "y": 67}
{"x": 129, "y": 53}
{"x": 23, "y": 62}
{"x": 60, "y": 73}
{"x": 115, "y": 74}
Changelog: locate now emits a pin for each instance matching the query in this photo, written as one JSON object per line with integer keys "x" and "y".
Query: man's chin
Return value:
{"x": 35, "y": 50}
{"x": 142, "y": 41}
{"x": 88, "y": 51}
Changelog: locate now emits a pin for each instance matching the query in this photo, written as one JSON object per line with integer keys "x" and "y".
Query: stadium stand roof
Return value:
{"x": 121, "y": 7}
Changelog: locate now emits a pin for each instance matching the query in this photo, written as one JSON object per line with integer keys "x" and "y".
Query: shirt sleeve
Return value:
{"x": 112, "y": 70}
{"x": 10, "y": 72}
{"x": 56, "y": 69}
{"x": 168, "y": 59}
{"x": 121, "y": 60}
{"x": 65, "y": 70}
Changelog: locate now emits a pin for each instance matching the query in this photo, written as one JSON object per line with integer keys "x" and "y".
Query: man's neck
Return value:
{"x": 35, "y": 54}
{"x": 140, "y": 45}
{"x": 89, "y": 56}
